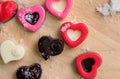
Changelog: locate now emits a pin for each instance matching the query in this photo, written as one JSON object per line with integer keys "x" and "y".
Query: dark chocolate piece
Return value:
{"x": 50, "y": 47}
{"x": 87, "y": 64}
{"x": 29, "y": 72}
{"x": 32, "y": 18}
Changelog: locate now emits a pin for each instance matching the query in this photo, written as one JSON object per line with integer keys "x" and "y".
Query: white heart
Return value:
{"x": 73, "y": 35}
{"x": 59, "y": 5}
{"x": 11, "y": 52}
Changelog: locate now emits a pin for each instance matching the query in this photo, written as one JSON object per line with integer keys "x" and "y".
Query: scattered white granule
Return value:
{"x": 51, "y": 58}
{"x": 109, "y": 9}
{"x": 85, "y": 49}
{"x": 74, "y": 20}
{"x": 24, "y": 3}
{"x": 64, "y": 28}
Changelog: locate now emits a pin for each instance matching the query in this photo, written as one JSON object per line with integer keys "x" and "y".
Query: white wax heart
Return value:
{"x": 11, "y": 52}
{"x": 59, "y": 5}
{"x": 73, "y": 35}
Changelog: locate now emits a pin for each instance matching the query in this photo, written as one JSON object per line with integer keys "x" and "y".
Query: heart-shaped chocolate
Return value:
{"x": 7, "y": 10}
{"x": 29, "y": 72}
{"x": 81, "y": 36}
{"x": 61, "y": 13}
{"x": 87, "y": 64}
{"x": 10, "y": 51}
{"x": 50, "y": 47}
{"x": 32, "y": 18}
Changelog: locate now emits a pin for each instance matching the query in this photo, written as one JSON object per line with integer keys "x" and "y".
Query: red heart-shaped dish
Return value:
{"x": 87, "y": 64}
{"x": 82, "y": 28}
{"x": 7, "y": 10}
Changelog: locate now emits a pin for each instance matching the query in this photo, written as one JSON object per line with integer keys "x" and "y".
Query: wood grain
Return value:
{"x": 104, "y": 38}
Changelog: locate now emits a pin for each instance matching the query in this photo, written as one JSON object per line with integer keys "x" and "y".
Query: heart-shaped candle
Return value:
{"x": 10, "y": 51}
{"x": 7, "y": 10}
{"x": 74, "y": 34}
{"x": 59, "y": 8}
{"x": 32, "y": 18}
{"x": 87, "y": 64}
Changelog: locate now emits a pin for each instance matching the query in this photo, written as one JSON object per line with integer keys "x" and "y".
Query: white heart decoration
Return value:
{"x": 73, "y": 35}
{"x": 59, "y": 5}
{"x": 10, "y": 51}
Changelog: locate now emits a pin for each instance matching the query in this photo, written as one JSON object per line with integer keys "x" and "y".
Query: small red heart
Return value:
{"x": 82, "y": 28}
{"x": 7, "y": 10}
{"x": 87, "y": 64}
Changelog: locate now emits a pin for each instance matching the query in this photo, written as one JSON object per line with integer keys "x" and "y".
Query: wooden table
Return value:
{"x": 104, "y": 38}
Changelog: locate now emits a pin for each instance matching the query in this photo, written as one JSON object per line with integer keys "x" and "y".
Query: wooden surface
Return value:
{"x": 104, "y": 38}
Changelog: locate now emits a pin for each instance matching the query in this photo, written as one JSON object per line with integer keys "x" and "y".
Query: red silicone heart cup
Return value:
{"x": 7, "y": 10}
{"x": 82, "y": 28}
{"x": 87, "y": 64}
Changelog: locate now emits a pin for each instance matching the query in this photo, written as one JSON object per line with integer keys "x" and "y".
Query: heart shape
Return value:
{"x": 32, "y": 18}
{"x": 8, "y": 9}
{"x": 73, "y": 35}
{"x": 63, "y": 12}
{"x": 50, "y": 47}
{"x": 87, "y": 64}
{"x": 82, "y": 28}
{"x": 29, "y": 72}
{"x": 59, "y": 5}
{"x": 11, "y": 52}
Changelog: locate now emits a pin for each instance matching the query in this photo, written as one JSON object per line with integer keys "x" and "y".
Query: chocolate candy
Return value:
{"x": 7, "y": 10}
{"x": 87, "y": 64}
{"x": 50, "y": 47}
{"x": 32, "y": 18}
{"x": 10, "y": 51}
{"x": 29, "y": 72}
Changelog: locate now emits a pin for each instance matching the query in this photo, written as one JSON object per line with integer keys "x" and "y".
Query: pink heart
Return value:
{"x": 32, "y": 18}
{"x": 58, "y": 14}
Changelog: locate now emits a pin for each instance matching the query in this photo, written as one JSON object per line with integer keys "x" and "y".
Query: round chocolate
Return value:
{"x": 56, "y": 46}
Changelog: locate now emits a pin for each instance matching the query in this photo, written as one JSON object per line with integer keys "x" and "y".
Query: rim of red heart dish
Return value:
{"x": 37, "y": 8}
{"x": 80, "y": 27}
{"x": 61, "y": 15}
{"x": 98, "y": 61}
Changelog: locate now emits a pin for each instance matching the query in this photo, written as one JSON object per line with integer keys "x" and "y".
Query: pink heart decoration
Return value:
{"x": 32, "y": 18}
{"x": 62, "y": 14}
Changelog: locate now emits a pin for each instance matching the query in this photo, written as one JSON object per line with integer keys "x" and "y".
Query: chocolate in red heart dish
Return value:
{"x": 7, "y": 10}
{"x": 87, "y": 64}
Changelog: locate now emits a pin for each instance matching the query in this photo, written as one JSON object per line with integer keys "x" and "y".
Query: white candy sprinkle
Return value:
{"x": 64, "y": 28}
